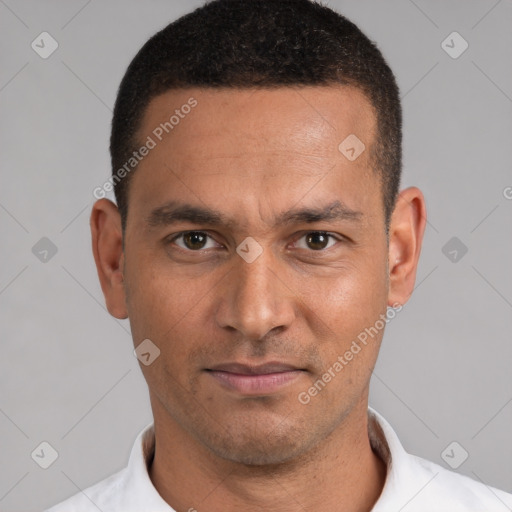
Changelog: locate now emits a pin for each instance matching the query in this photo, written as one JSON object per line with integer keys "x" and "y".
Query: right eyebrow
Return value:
{"x": 173, "y": 212}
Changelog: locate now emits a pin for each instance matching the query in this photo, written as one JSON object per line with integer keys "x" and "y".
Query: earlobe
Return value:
{"x": 107, "y": 245}
{"x": 405, "y": 238}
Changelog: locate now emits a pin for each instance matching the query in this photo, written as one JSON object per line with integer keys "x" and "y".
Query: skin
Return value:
{"x": 251, "y": 155}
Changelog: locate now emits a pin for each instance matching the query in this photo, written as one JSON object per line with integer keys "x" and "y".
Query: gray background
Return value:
{"x": 67, "y": 373}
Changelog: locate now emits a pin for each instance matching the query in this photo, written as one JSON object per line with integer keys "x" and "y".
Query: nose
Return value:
{"x": 255, "y": 299}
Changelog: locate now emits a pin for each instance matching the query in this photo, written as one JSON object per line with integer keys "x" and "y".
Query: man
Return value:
{"x": 259, "y": 235}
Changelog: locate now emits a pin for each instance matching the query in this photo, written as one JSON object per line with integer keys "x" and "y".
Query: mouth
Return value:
{"x": 255, "y": 380}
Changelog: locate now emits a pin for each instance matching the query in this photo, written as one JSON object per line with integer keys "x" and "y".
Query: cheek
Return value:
{"x": 358, "y": 291}
{"x": 158, "y": 300}
{"x": 348, "y": 303}
{"x": 165, "y": 308}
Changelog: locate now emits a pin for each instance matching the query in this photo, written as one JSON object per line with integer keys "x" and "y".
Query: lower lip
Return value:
{"x": 255, "y": 384}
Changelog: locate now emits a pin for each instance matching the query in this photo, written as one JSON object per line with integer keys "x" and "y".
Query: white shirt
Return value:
{"x": 412, "y": 484}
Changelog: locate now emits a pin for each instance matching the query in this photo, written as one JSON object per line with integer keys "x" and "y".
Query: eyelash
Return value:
{"x": 326, "y": 233}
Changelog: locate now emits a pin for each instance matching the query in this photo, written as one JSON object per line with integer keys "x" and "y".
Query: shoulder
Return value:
{"x": 414, "y": 484}
{"x": 447, "y": 490}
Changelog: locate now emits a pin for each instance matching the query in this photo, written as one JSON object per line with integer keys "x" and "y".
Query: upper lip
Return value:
{"x": 260, "y": 369}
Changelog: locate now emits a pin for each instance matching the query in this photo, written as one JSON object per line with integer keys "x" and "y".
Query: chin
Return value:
{"x": 257, "y": 452}
{"x": 263, "y": 446}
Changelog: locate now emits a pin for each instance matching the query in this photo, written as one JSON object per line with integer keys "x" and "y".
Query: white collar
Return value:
{"x": 412, "y": 484}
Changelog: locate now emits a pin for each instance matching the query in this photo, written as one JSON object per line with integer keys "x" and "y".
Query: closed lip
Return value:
{"x": 260, "y": 369}
{"x": 255, "y": 380}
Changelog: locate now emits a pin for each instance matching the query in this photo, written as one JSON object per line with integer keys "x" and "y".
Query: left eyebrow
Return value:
{"x": 174, "y": 211}
{"x": 333, "y": 211}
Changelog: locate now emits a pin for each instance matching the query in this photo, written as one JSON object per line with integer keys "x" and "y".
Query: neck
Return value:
{"x": 341, "y": 473}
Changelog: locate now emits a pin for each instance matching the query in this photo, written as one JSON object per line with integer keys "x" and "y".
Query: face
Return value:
{"x": 255, "y": 254}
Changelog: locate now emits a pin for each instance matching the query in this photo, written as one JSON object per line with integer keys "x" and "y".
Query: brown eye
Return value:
{"x": 194, "y": 240}
{"x": 317, "y": 240}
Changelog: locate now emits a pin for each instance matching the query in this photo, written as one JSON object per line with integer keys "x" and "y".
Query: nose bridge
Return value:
{"x": 256, "y": 301}
{"x": 254, "y": 288}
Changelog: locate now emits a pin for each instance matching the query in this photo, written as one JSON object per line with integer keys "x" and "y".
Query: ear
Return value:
{"x": 405, "y": 237}
{"x": 107, "y": 247}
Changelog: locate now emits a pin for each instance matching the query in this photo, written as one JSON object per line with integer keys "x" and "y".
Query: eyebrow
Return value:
{"x": 175, "y": 211}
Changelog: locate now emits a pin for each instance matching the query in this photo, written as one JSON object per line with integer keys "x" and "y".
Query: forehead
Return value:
{"x": 272, "y": 143}
{"x": 284, "y": 118}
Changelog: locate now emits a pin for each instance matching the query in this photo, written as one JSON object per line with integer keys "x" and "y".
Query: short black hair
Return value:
{"x": 260, "y": 44}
